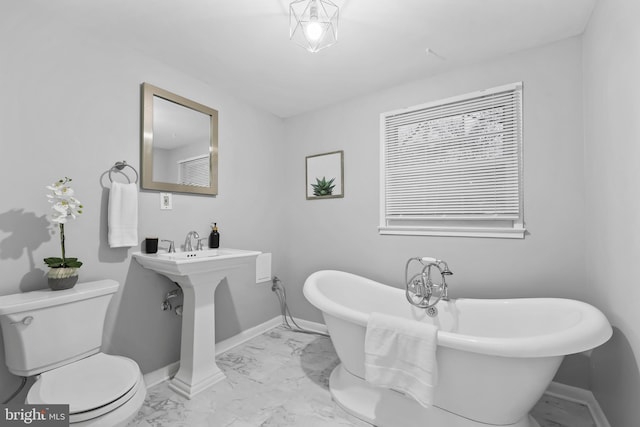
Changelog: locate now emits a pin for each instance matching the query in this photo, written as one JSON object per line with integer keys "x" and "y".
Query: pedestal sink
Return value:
{"x": 198, "y": 273}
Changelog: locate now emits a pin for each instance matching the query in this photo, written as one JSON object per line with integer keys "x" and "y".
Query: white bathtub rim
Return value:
{"x": 563, "y": 342}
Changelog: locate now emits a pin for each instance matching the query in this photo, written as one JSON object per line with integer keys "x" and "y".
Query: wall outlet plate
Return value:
{"x": 166, "y": 201}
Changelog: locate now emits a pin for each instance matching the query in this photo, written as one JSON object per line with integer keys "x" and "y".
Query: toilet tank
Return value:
{"x": 45, "y": 329}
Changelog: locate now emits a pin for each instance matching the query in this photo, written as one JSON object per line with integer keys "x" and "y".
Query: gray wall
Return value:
{"x": 342, "y": 233}
{"x": 612, "y": 151}
{"x": 70, "y": 106}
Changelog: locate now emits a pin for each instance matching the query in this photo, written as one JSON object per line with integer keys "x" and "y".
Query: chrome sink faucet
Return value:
{"x": 188, "y": 246}
{"x": 172, "y": 247}
{"x": 200, "y": 244}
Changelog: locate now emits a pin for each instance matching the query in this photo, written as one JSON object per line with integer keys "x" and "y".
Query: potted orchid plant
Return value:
{"x": 63, "y": 271}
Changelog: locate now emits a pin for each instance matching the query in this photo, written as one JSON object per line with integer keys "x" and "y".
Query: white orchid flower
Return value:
{"x": 64, "y": 205}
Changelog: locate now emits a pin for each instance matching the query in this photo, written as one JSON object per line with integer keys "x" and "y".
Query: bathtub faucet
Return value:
{"x": 444, "y": 271}
{"x": 444, "y": 268}
{"x": 421, "y": 289}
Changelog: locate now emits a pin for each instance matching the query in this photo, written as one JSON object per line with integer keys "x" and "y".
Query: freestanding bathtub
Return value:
{"x": 495, "y": 357}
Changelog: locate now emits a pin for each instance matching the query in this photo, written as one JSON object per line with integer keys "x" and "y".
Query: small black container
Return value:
{"x": 151, "y": 245}
{"x": 214, "y": 237}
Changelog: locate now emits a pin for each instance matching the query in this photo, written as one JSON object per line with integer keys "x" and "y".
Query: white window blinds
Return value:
{"x": 194, "y": 171}
{"x": 454, "y": 167}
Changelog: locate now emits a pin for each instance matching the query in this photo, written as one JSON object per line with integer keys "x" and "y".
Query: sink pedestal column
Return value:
{"x": 198, "y": 368}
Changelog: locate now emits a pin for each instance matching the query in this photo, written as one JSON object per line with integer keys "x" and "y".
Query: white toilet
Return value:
{"x": 57, "y": 336}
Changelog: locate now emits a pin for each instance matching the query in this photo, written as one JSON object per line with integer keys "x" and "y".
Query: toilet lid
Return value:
{"x": 87, "y": 384}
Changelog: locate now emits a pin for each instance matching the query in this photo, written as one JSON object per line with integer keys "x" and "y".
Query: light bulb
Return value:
{"x": 314, "y": 31}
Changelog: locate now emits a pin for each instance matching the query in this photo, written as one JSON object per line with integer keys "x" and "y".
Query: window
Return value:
{"x": 454, "y": 167}
{"x": 194, "y": 171}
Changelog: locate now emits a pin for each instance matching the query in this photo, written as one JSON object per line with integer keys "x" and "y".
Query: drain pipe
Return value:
{"x": 166, "y": 304}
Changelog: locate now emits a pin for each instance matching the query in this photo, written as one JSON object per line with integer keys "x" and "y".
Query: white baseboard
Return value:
{"x": 246, "y": 335}
{"x": 309, "y": 325}
{"x": 579, "y": 395}
{"x": 166, "y": 372}
{"x": 161, "y": 375}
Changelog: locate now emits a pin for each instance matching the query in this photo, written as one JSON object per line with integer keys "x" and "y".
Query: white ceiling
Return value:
{"x": 244, "y": 45}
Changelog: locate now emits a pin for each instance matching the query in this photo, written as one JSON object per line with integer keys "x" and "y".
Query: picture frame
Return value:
{"x": 325, "y": 175}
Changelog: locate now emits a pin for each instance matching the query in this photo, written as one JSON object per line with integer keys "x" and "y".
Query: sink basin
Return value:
{"x": 198, "y": 273}
{"x": 187, "y": 263}
{"x": 222, "y": 253}
{"x": 207, "y": 253}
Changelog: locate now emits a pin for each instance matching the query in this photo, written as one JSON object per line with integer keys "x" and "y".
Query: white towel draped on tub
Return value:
{"x": 123, "y": 215}
{"x": 401, "y": 354}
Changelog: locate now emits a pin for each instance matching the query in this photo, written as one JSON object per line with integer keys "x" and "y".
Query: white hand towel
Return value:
{"x": 401, "y": 354}
{"x": 123, "y": 215}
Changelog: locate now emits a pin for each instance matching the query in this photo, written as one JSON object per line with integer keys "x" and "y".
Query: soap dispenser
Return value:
{"x": 214, "y": 237}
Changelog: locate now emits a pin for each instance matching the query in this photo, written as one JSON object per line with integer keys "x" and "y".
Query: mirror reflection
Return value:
{"x": 179, "y": 143}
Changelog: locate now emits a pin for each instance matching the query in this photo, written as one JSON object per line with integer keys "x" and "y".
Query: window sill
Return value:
{"x": 490, "y": 232}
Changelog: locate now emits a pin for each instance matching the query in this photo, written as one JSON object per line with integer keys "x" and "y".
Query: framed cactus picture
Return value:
{"x": 325, "y": 175}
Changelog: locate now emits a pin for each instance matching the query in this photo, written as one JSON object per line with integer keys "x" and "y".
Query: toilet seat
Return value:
{"x": 92, "y": 386}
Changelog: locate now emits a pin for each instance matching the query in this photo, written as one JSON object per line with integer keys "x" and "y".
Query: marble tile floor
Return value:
{"x": 552, "y": 411}
{"x": 281, "y": 378}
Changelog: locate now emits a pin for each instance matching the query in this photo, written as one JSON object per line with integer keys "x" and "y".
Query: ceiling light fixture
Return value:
{"x": 313, "y": 24}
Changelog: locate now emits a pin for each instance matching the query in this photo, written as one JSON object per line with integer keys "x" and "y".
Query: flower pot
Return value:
{"x": 62, "y": 278}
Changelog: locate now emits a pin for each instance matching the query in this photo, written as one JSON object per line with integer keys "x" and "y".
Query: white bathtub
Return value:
{"x": 495, "y": 357}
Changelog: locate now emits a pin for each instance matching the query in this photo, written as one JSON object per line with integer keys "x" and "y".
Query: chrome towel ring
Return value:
{"x": 120, "y": 166}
